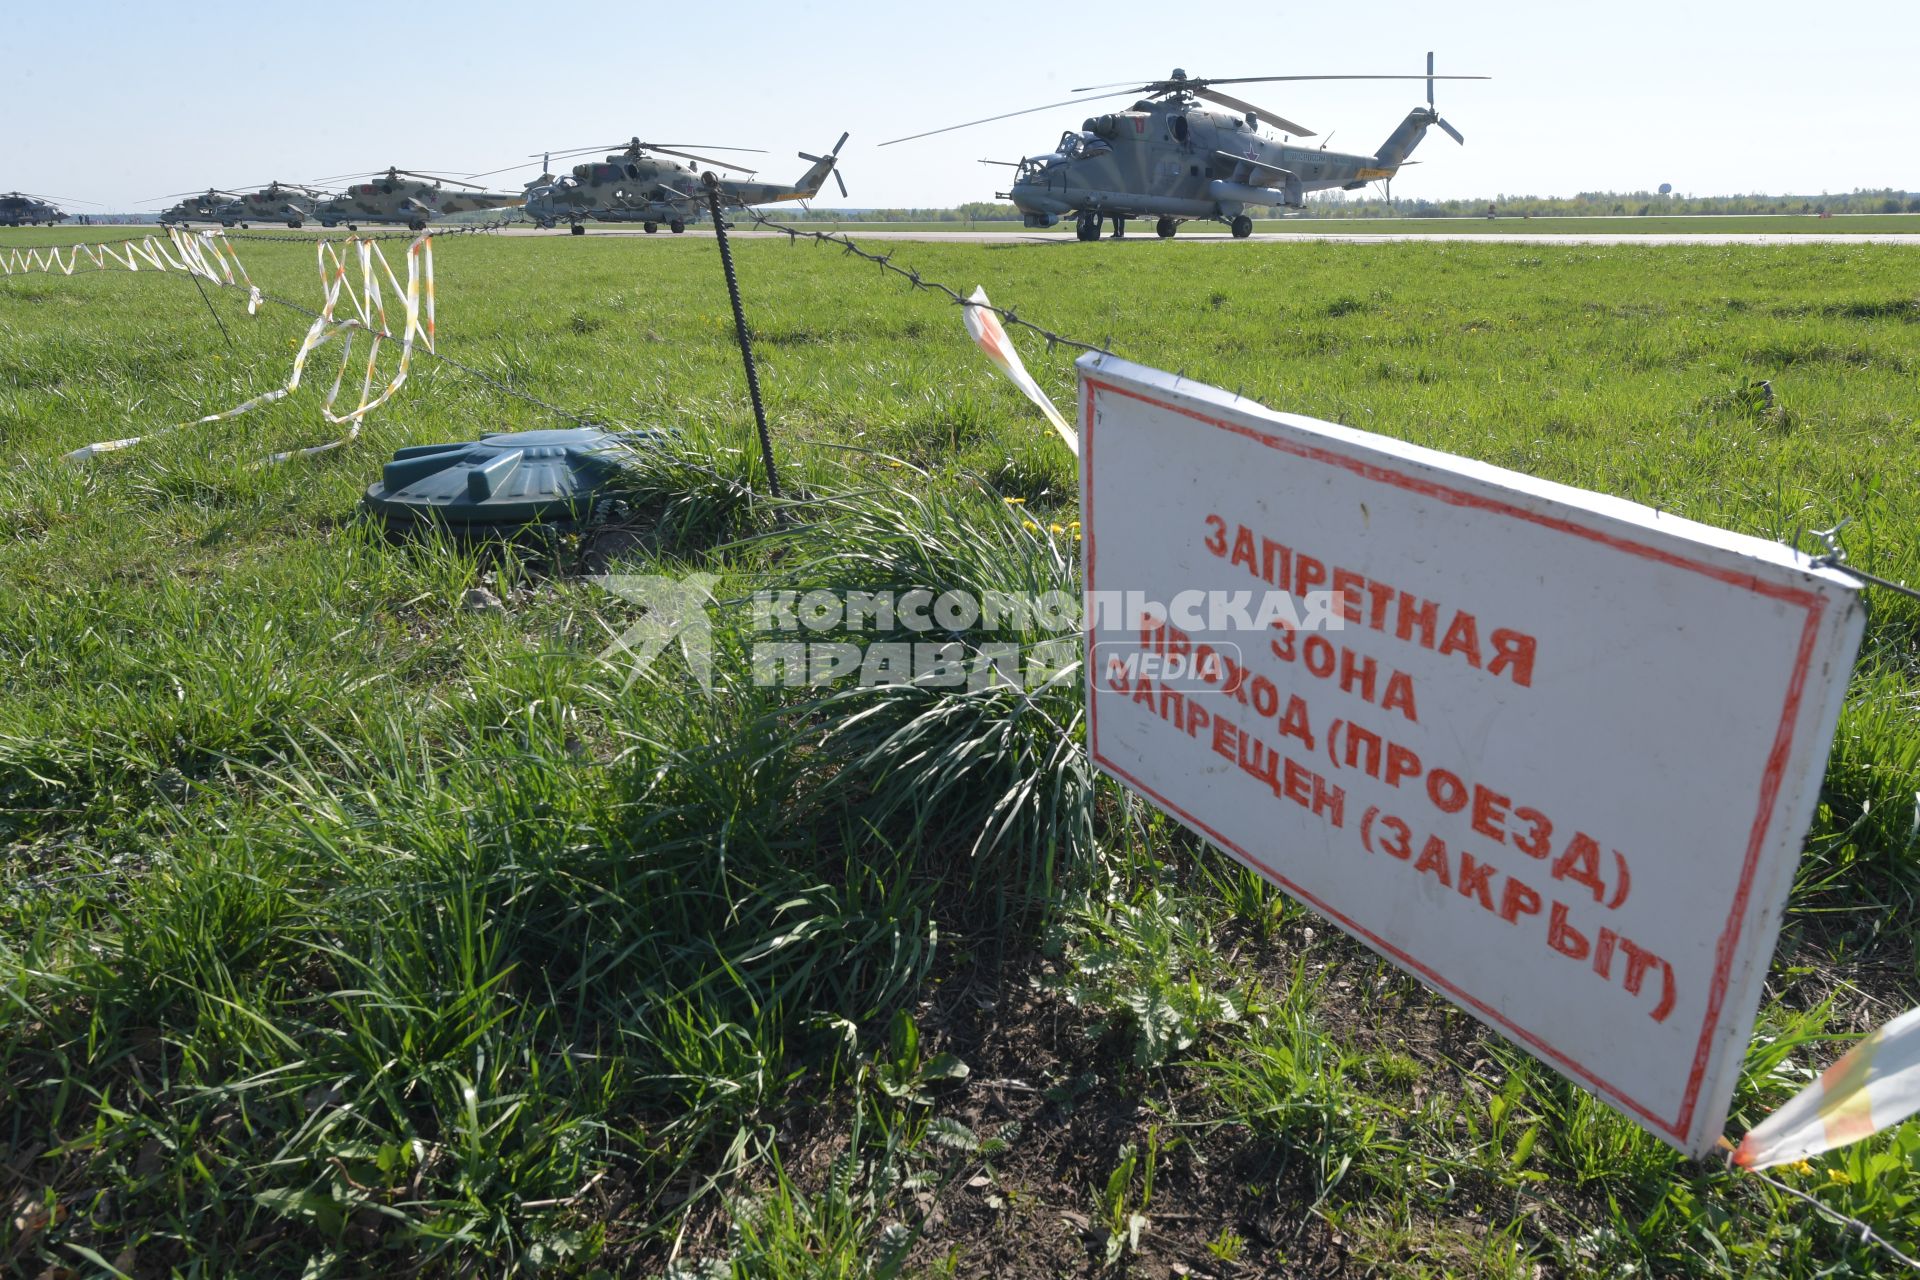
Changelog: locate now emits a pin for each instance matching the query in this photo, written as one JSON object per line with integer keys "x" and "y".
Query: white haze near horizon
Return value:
{"x": 118, "y": 102}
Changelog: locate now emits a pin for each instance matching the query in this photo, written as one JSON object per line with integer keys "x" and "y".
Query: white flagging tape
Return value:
{"x": 365, "y": 310}
{"x": 207, "y": 254}
{"x": 1874, "y": 1085}
{"x": 991, "y": 337}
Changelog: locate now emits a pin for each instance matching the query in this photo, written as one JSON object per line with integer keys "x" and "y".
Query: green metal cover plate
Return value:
{"x": 508, "y": 479}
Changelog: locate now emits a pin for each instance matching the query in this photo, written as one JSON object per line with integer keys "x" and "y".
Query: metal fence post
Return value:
{"x": 712, "y": 181}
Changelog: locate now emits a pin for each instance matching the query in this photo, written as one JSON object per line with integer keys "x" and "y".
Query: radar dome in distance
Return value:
{"x": 1666, "y": 188}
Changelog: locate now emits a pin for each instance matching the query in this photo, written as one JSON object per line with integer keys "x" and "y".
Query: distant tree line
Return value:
{"x": 1590, "y": 204}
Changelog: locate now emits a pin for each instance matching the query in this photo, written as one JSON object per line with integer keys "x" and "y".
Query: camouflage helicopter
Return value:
{"x": 1167, "y": 158}
{"x": 213, "y": 205}
{"x": 18, "y": 209}
{"x": 287, "y": 202}
{"x": 633, "y": 186}
{"x": 403, "y": 196}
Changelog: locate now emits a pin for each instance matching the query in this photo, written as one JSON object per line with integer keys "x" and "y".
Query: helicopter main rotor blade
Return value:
{"x": 434, "y": 177}
{"x": 1239, "y": 104}
{"x": 1200, "y": 82}
{"x": 626, "y": 143}
{"x": 723, "y": 164}
{"x": 504, "y": 169}
{"x": 57, "y": 199}
{"x": 1271, "y": 79}
{"x": 709, "y": 146}
{"x": 1007, "y": 115}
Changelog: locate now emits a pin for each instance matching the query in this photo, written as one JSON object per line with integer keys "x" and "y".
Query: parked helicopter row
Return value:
{"x": 634, "y": 184}
{"x": 1168, "y": 157}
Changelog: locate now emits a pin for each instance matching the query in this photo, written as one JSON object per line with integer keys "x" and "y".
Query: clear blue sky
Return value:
{"x": 117, "y": 101}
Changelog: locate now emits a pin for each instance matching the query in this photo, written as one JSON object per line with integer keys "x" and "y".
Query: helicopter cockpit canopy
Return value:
{"x": 1081, "y": 145}
{"x": 1033, "y": 167}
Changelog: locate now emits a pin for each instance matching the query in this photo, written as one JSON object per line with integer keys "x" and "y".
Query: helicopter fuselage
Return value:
{"x": 632, "y": 186}
{"x": 406, "y": 201}
{"x": 272, "y": 204}
{"x": 625, "y": 187}
{"x": 1172, "y": 159}
{"x": 24, "y": 211}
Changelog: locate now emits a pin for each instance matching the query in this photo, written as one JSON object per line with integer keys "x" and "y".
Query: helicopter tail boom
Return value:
{"x": 1400, "y": 144}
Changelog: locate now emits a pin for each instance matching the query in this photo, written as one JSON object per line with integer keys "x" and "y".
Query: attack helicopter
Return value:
{"x": 18, "y": 209}
{"x": 403, "y": 196}
{"x": 212, "y": 205}
{"x": 1167, "y": 158}
{"x": 288, "y": 202}
{"x": 633, "y": 186}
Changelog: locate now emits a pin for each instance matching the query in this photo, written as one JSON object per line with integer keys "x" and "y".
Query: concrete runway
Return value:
{"x": 1293, "y": 237}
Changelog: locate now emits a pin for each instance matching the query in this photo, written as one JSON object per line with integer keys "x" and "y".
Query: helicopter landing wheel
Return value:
{"x": 1087, "y": 227}
{"x": 650, "y": 228}
{"x": 294, "y": 223}
{"x": 1242, "y": 226}
{"x": 418, "y": 224}
{"x": 1165, "y": 228}
{"x": 677, "y": 227}
{"x": 353, "y": 226}
{"x": 577, "y": 229}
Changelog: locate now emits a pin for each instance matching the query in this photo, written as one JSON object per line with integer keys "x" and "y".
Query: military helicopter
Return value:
{"x": 403, "y": 196}
{"x": 213, "y": 205}
{"x": 1167, "y": 158}
{"x": 288, "y": 202}
{"x": 18, "y": 209}
{"x": 633, "y": 186}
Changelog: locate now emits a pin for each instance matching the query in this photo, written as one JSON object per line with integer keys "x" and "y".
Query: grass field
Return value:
{"x": 346, "y": 929}
{"x": 1756, "y": 224}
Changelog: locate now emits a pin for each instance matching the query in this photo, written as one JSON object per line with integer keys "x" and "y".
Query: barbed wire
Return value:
{"x": 437, "y": 231}
{"x": 1836, "y": 558}
{"x": 1863, "y": 1231}
{"x": 912, "y": 276}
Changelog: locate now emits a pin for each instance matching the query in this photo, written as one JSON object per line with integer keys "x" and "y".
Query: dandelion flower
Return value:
{"x": 1015, "y": 502}
{"x": 1030, "y": 526}
{"x": 1056, "y": 528}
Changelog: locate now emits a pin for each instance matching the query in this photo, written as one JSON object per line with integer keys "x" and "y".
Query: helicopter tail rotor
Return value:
{"x": 832, "y": 161}
{"x": 1448, "y": 129}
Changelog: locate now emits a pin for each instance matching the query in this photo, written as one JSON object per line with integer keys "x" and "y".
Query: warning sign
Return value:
{"x": 1553, "y": 753}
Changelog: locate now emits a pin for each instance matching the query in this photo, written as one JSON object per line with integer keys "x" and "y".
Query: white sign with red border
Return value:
{"x": 1551, "y": 752}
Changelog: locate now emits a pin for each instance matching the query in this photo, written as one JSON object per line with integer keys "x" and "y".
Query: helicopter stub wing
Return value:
{"x": 1254, "y": 173}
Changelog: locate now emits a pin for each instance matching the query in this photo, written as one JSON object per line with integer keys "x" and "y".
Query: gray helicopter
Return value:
{"x": 635, "y": 186}
{"x": 405, "y": 197}
{"x": 1167, "y": 158}
{"x": 212, "y": 205}
{"x": 18, "y": 209}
